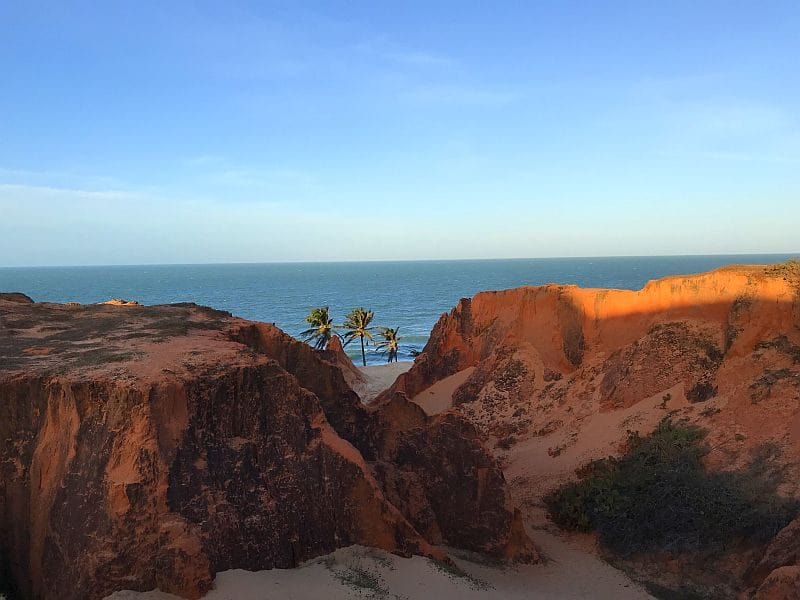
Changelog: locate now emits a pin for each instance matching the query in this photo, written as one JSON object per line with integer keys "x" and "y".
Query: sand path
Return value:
{"x": 358, "y": 572}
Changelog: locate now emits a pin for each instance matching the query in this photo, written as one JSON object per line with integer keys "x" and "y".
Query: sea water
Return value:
{"x": 410, "y": 295}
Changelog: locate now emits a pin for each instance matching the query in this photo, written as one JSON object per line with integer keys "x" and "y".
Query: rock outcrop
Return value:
{"x": 557, "y": 375}
{"x": 16, "y": 297}
{"x": 777, "y": 574}
{"x": 725, "y": 343}
{"x": 335, "y": 353}
{"x": 152, "y": 447}
{"x": 412, "y": 454}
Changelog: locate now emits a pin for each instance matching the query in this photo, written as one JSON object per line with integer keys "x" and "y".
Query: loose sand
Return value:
{"x": 378, "y": 378}
{"x": 439, "y": 396}
{"x": 434, "y": 400}
{"x": 359, "y": 572}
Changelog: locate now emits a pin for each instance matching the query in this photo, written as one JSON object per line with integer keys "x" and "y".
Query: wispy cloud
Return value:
{"x": 56, "y": 178}
{"x": 46, "y": 225}
{"x": 460, "y": 95}
{"x": 219, "y": 170}
{"x": 12, "y": 193}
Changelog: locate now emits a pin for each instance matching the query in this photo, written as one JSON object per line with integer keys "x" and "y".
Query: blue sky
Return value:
{"x": 170, "y": 132}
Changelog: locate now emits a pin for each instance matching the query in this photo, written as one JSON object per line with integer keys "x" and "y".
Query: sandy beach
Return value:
{"x": 378, "y": 378}
{"x": 434, "y": 400}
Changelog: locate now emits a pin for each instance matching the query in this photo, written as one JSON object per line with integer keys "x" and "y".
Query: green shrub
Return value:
{"x": 659, "y": 496}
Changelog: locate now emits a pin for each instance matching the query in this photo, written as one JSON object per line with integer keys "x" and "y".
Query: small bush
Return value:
{"x": 659, "y": 496}
{"x": 550, "y": 375}
{"x": 506, "y": 442}
{"x": 509, "y": 377}
{"x": 701, "y": 392}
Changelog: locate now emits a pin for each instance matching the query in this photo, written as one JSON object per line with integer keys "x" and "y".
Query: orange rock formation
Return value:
{"x": 557, "y": 375}
{"x": 151, "y": 447}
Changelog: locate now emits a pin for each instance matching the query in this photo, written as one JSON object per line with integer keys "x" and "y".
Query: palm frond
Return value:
{"x": 321, "y": 330}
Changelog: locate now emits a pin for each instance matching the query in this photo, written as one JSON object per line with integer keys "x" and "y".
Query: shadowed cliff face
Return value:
{"x": 419, "y": 460}
{"x": 151, "y": 447}
{"x": 560, "y": 374}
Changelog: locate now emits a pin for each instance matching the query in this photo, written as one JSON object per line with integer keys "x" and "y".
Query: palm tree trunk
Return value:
{"x": 363, "y": 355}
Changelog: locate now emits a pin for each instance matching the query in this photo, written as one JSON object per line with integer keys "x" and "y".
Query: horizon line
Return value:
{"x": 397, "y": 260}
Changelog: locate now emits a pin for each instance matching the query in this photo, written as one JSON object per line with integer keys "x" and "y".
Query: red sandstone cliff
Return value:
{"x": 557, "y": 375}
{"x": 146, "y": 447}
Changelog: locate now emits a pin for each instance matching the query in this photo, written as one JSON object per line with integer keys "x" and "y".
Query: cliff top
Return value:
{"x": 55, "y": 339}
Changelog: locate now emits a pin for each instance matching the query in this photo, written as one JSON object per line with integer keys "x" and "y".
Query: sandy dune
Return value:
{"x": 379, "y": 378}
{"x": 439, "y": 396}
{"x": 359, "y": 572}
{"x": 434, "y": 400}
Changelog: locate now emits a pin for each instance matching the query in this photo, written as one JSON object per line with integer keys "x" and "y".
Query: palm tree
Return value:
{"x": 321, "y": 330}
{"x": 357, "y": 325}
{"x": 389, "y": 344}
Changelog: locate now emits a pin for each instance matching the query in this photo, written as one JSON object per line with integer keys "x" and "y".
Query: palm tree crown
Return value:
{"x": 357, "y": 325}
{"x": 389, "y": 344}
{"x": 321, "y": 330}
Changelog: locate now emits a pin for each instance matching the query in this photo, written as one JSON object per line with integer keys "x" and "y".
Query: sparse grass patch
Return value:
{"x": 551, "y": 375}
{"x": 455, "y": 573}
{"x": 362, "y": 572}
{"x": 362, "y": 580}
{"x": 682, "y": 593}
{"x": 781, "y": 344}
{"x": 761, "y": 388}
{"x": 710, "y": 411}
{"x": 554, "y": 451}
{"x": 788, "y": 270}
{"x": 380, "y": 558}
{"x": 702, "y": 391}
{"x": 659, "y": 496}
{"x": 506, "y": 442}
{"x": 509, "y": 377}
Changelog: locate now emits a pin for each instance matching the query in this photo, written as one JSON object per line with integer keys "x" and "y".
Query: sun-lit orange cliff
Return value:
{"x": 556, "y": 376}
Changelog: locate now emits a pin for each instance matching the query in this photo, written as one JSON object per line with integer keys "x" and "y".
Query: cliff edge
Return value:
{"x": 152, "y": 447}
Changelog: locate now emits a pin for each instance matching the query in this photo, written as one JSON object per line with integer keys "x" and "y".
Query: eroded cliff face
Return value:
{"x": 435, "y": 470}
{"x": 558, "y": 375}
{"x": 151, "y": 447}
